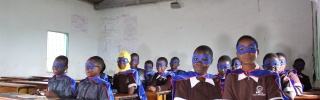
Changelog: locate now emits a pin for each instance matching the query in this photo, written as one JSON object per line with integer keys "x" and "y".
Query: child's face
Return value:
{"x": 223, "y": 66}
{"x": 134, "y": 61}
{"x": 283, "y": 63}
{"x": 58, "y": 67}
{"x": 148, "y": 67}
{"x": 174, "y": 63}
{"x": 122, "y": 62}
{"x": 92, "y": 68}
{"x": 250, "y": 56}
{"x": 298, "y": 65}
{"x": 201, "y": 61}
{"x": 272, "y": 64}
{"x": 161, "y": 66}
{"x": 236, "y": 64}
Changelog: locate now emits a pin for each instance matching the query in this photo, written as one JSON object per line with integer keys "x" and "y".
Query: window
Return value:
{"x": 57, "y": 44}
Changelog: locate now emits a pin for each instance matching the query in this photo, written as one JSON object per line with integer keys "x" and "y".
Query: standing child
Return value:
{"x": 127, "y": 80}
{"x": 61, "y": 85}
{"x": 148, "y": 67}
{"x": 272, "y": 63}
{"x": 236, "y": 64}
{"x": 197, "y": 84}
{"x": 304, "y": 79}
{"x": 250, "y": 82}
{"x": 222, "y": 66}
{"x": 289, "y": 74}
{"x": 93, "y": 87}
{"x": 135, "y": 60}
{"x": 174, "y": 64}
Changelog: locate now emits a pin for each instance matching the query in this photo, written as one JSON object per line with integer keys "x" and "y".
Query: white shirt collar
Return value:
{"x": 194, "y": 81}
{"x": 242, "y": 76}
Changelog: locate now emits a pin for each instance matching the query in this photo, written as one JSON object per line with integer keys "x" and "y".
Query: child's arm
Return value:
{"x": 287, "y": 88}
{"x": 228, "y": 92}
{"x": 49, "y": 93}
{"x": 166, "y": 86}
{"x": 115, "y": 82}
{"x": 103, "y": 93}
{"x": 69, "y": 92}
{"x": 132, "y": 84}
{"x": 296, "y": 83}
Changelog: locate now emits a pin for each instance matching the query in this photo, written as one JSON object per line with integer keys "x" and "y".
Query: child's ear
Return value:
{"x": 66, "y": 67}
{"x": 138, "y": 62}
{"x": 264, "y": 67}
{"x": 258, "y": 51}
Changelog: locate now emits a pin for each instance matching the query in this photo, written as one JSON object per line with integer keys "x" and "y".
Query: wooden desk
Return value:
{"x": 157, "y": 95}
{"x": 20, "y": 96}
{"x": 311, "y": 93}
{"x": 43, "y": 78}
{"x": 5, "y": 79}
{"x": 22, "y": 78}
{"x": 307, "y": 97}
{"x": 14, "y": 87}
{"x": 120, "y": 96}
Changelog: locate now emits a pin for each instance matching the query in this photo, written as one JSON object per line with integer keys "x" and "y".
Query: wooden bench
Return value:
{"x": 157, "y": 95}
{"x": 120, "y": 96}
{"x": 43, "y": 78}
{"x": 15, "y": 87}
{"x": 22, "y": 78}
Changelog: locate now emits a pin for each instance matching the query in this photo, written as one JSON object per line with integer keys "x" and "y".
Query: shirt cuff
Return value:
{"x": 178, "y": 98}
{"x": 158, "y": 88}
{"x": 288, "y": 89}
{"x": 133, "y": 84}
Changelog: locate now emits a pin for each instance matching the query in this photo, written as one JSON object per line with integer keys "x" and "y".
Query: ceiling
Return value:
{"x": 102, "y": 4}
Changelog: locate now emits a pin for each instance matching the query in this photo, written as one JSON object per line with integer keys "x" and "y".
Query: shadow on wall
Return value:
{"x": 262, "y": 35}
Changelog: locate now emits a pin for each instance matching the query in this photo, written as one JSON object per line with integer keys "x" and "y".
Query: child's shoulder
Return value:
{"x": 99, "y": 80}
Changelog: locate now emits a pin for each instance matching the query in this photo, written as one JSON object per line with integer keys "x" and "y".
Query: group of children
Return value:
{"x": 238, "y": 79}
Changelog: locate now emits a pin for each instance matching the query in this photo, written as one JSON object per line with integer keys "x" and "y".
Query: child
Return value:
{"x": 250, "y": 82}
{"x": 134, "y": 65}
{"x": 197, "y": 84}
{"x": 304, "y": 79}
{"x": 93, "y": 87}
{"x": 291, "y": 74}
{"x": 174, "y": 63}
{"x": 149, "y": 73}
{"x": 222, "y": 66}
{"x": 127, "y": 80}
{"x": 272, "y": 63}
{"x": 236, "y": 64}
{"x": 61, "y": 85}
{"x": 161, "y": 80}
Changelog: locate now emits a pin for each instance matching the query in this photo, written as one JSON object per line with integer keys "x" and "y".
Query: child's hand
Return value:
{"x": 152, "y": 88}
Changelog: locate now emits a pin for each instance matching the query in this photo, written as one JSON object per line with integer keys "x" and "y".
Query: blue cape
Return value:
{"x": 141, "y": 92}
{"x": 185, "y": 76}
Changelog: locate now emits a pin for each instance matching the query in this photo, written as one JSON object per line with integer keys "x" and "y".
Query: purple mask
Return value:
{"x": 270, "y": 63}
{"x": 222, "y": 66}
{"x": 58, "y": 65}
{"x": 161, "y": 64}
{"x": 197, "y": 58}
{"x": 123, "y": 60}
{"x": 90, "y": 65}
{"x": 251, "y": 48}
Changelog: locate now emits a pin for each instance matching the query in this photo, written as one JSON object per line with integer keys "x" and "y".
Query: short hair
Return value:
{"x": 235, "y": 58}
{"x": 100, "y": 61}
{"x": 224, "y": 58}
{"x": 163, "y": 58}
{"x": 149, "y": 62}
{"x": 135, "y": 54}
{"x": 281, "y": 54}
{"x": 175, "y": 58}
{"x": 269, "y": 55}
{"x": 205, "y": 48}
{"x": 247, "y": 37}
{"x": 301, "y": 60}
{"x": 64, "y": 59}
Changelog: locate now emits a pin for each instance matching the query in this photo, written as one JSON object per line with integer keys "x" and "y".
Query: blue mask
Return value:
{"x": 161, "y": 64}
{"x": 237, "y": 63}
{"x": 58, "y": 65}
{"x": 90, "y": 65}
{"x": 175, "y": 62}
{"x": 201, "y": 58}
{"x": 123, "y": 60}
{"x": 148, "y": 67}
{"x": 221, "y": 66}
{"x": 251, "y": 48}
{"x": 136, "y": 60}
{"x": 283, "y": 61}
{"x": 270, "y": 63}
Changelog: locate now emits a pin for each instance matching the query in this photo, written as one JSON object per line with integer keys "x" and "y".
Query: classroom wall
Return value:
{"x": 157, "y": 30}
{"x": 23, "y": 35}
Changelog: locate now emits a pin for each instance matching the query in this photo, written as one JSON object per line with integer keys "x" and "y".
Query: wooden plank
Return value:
{"x": 119, "y": 96}
{"x": 157, "y": 95}
{"x": 307, "y": 97}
